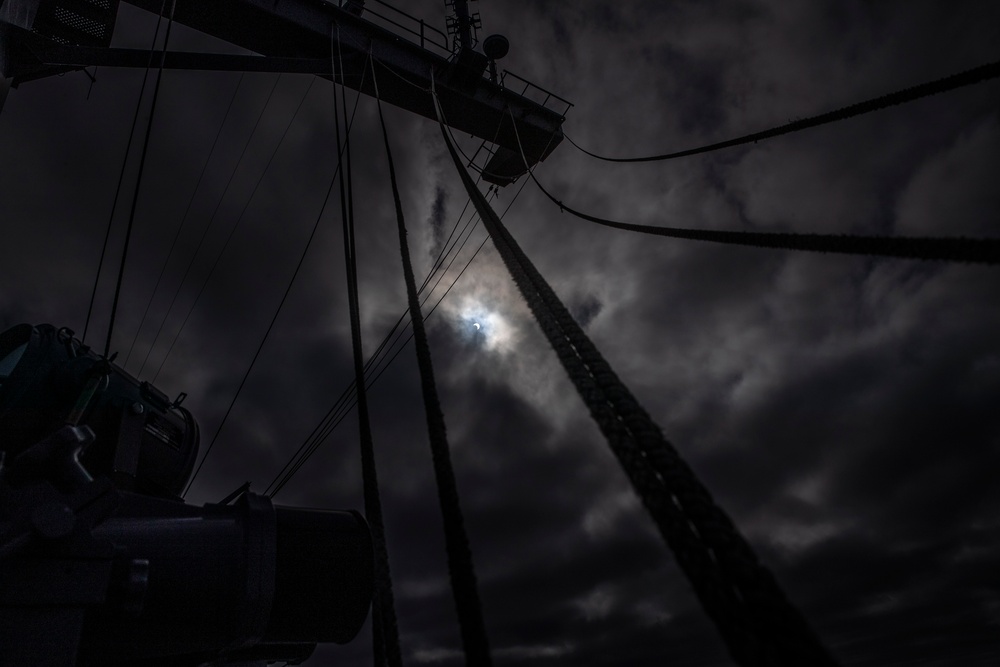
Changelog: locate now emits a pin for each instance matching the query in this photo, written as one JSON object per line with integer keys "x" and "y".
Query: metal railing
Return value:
{"x": 416, "y": 30}
{"x": 535, "y": 93}
{"x": 420, "y": 32}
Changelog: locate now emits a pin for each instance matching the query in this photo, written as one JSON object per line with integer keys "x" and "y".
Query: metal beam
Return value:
{"x": 317, "y": 30}
{"x": 307, "y": 36}
{"x": 60, "y": 55}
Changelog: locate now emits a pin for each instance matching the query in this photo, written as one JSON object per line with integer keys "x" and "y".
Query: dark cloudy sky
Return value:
{"x": 842, "y": 410}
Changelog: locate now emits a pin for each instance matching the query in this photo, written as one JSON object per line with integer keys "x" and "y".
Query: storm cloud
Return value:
{"x": 841, "y": 409}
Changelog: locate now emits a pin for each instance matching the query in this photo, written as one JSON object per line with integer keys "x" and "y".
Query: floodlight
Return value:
{"x": 101, "y": 563}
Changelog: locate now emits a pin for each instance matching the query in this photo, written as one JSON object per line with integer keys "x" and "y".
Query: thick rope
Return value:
{"x": 967, "y": 78}
{"x": 757, "y": 623}
{"x": 385, "y": 632}
{"x": 460, "y": 565}
{"x": 944, "y": 249}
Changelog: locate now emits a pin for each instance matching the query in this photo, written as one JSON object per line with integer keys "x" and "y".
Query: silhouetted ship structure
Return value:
{"x": 102, "y": 562}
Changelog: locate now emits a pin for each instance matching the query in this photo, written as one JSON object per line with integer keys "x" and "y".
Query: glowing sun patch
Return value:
{"x": 479, "y": 323}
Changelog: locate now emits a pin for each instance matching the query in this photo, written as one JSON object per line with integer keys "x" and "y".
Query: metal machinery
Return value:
{"x": 101, "y": 563}
{"x": 40, "y": 38}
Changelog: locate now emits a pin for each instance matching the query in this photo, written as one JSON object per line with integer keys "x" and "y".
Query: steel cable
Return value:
{"x": 180, "y": 226}
{"x": 121, "y": 174}
{"x": 270, "y": 326}
{"x": 374, "y": 368}
{"x": 232, "y": 231}
{"x": 336, "y": 414}
{"x": 204, "y": 235}
{"x": 138, "y": 183}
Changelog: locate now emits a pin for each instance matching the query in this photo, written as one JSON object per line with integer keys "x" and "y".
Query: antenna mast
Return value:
{"x": 463, "y": 26}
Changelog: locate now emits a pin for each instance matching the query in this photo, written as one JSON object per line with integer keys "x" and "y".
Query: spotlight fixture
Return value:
{"x": 495, "y": 47}
{"x": 103, "y": 564}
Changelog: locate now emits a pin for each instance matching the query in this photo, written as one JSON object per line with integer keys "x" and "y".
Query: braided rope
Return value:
{"x": 460, "y": 564}
{"x": 966, "y": 78}
{"x": 756, "y": 621}
{"x": 385, "y": 632}
{"x": 944, "y": 249}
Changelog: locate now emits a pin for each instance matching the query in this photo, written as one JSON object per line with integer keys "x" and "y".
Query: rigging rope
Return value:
{"x": 329, "y": 422}
{"x": 270, "y": 326}
{"x": 121, "y": 174}
{"x": 333, "y": 417}
{"x": 756, "y": 621}
{"x": 385, "y": 630}
{"x": 208, "y": 227}
{"x": 138, "y": 182}
{"x": 967, "y": 78}
{"x": 232, "y": 230}
{"x": 341, "y": 407}
{"x": 441, "y": 254}
{"x": 460, "y": 565}
{"x": 944, "y": 249}
{"x": 184, "y": 218}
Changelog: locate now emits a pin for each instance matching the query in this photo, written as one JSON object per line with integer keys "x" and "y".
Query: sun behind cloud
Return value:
{"x": 477, "y": 320}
